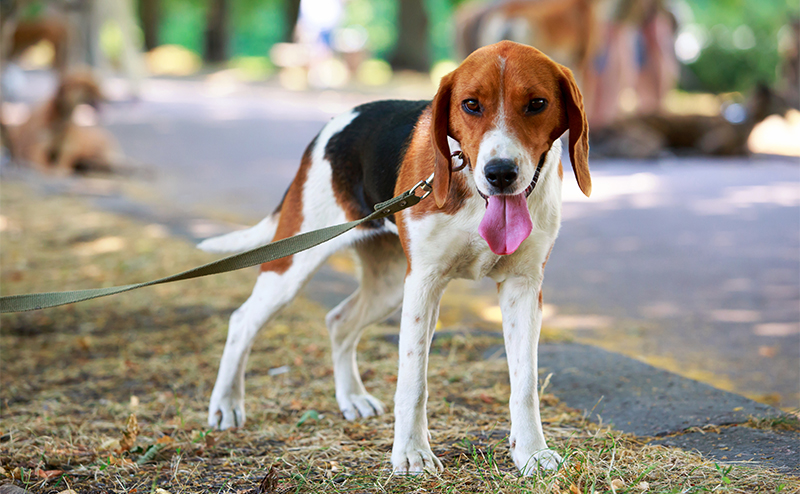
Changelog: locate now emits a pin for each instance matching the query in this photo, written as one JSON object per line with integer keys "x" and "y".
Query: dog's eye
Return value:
{"x": 536, "y": 105}
{"x": 472, "y": 106}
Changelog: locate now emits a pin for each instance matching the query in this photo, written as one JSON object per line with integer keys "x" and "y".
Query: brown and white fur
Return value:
{"x": 380, "y": 149}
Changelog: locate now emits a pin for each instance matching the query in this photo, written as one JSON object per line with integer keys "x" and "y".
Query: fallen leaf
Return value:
{"x": 574, "y": 489}
{"x": 308, "y": 415}
{"x": 113, "y": 460}
{"x": 84, "y": 343}
{"x": 162, "y": 491}
{"x": 486, "y": 398}
{"x": 164, "y": 440}
{"x": 151, "y": 453}
{"x": 129, "y": 434}
{"x": 643, "y": 486}
{"x": 617, "y": 484}
{"x": 47, "y": 474}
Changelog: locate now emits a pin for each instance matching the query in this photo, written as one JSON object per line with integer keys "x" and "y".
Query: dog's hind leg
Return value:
{"x": 382, "y": 268}
{"x": 273, "y": 290}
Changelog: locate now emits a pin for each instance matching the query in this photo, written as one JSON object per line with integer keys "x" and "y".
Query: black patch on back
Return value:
{"x": 365, "y": 156}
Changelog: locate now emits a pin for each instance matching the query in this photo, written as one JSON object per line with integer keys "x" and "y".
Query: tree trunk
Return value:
{"x": 216, "y": 39}
{"x": 292, "y": 10}
{"x": 150, "y": 17}
{"x": 412, "y": 51}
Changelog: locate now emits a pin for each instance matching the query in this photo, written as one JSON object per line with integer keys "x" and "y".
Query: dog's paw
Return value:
{"x": 361, "y": 405}
{"x": 529, "y": 464}
{"x": 414, "y": 459}
{"x": 224, "y": 413}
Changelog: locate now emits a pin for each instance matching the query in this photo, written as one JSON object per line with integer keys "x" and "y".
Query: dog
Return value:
{"x": 503, "y": 110}
{"x": 52, "y": 141}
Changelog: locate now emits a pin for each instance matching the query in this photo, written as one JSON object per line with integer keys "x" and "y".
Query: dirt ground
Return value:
{"x": 111, "y": 395}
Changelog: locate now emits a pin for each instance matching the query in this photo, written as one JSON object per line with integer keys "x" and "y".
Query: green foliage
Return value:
{"x": 379, "y": 19}
{"x": 441, "y": 28}
{"x": 722, "y": 65}
{"x": 256, "y": 26}
{"x": 183, "y": 23}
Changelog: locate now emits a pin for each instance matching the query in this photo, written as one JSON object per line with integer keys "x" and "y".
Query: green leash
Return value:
{"x": 259, "y": 255}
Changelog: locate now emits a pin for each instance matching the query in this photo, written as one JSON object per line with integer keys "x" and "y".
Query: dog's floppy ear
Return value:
{"x": 578, "y": 131}
{"x": 440, "y": 123}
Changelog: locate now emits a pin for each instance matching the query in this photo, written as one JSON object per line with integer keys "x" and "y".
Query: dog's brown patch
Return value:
{"x": 291, "y": 219}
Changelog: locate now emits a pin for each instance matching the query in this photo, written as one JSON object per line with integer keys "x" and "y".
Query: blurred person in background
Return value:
{"x": 637, "y": 51}
{"x": 611, "y": 45}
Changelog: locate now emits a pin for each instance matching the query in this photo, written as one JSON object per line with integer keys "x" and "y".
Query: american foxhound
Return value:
{"x": 504, "y": 108}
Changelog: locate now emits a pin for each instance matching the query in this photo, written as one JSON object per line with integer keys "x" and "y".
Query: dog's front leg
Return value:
{"x": 411, "y": 452}
{"x": 522, "y": 321}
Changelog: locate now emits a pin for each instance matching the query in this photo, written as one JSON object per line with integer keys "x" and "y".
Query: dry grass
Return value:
{"x": 71, "y": 378}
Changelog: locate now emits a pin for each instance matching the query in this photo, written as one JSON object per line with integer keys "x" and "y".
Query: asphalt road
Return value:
{"x": 692, "y": 265}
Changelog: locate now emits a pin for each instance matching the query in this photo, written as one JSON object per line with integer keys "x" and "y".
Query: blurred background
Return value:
{"x": 193, "y": 114}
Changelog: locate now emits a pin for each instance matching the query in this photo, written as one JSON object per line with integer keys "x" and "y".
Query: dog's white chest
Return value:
{"x": 452, "y": 243}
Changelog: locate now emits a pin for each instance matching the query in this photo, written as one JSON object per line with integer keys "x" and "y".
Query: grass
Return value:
{"x": 73, "y": 377}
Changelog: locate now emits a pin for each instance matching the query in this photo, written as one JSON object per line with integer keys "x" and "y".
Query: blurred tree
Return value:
{"x": 292, "y": 9}
{"x": 739, "y": 40}
{"x": 441, "y": 29}
{"x": 412, "y": 50}
{"x": 182, "y": 23}
{"x": 256, "y": 25}
{"x": 216, "y": 33}
{"x": 378, "y": 19}
{"x": 149, "y": 16}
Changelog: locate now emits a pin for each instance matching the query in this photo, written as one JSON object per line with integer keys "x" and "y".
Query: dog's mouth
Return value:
{"x": 527, "y": 190}
{"x": 507, "y": 221}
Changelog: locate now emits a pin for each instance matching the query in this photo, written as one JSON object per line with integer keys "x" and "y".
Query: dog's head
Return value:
{"x": 78, "y": 88}
{"x": 506, "y": 104}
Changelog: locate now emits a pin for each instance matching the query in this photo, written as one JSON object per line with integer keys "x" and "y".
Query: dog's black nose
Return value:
{"x": 501, "y": 173}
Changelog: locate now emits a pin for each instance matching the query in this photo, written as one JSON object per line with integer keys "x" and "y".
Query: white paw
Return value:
{"x": 359, "y": 405}
{"x": 530, "y": 463}
{"x": 414, "y": 459}
{"x": 224, "y": 413}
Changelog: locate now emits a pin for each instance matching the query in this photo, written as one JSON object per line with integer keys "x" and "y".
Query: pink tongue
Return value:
{"x": 506, "y": 223}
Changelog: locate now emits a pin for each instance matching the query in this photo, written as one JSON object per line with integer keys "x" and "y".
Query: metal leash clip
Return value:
{"x": 425, "y": 185}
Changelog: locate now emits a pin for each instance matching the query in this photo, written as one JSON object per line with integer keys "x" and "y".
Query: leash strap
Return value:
{"x": 259, "y": 255}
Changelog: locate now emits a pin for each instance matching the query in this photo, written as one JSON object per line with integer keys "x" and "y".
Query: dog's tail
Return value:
{"x": 242, "y": 240}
